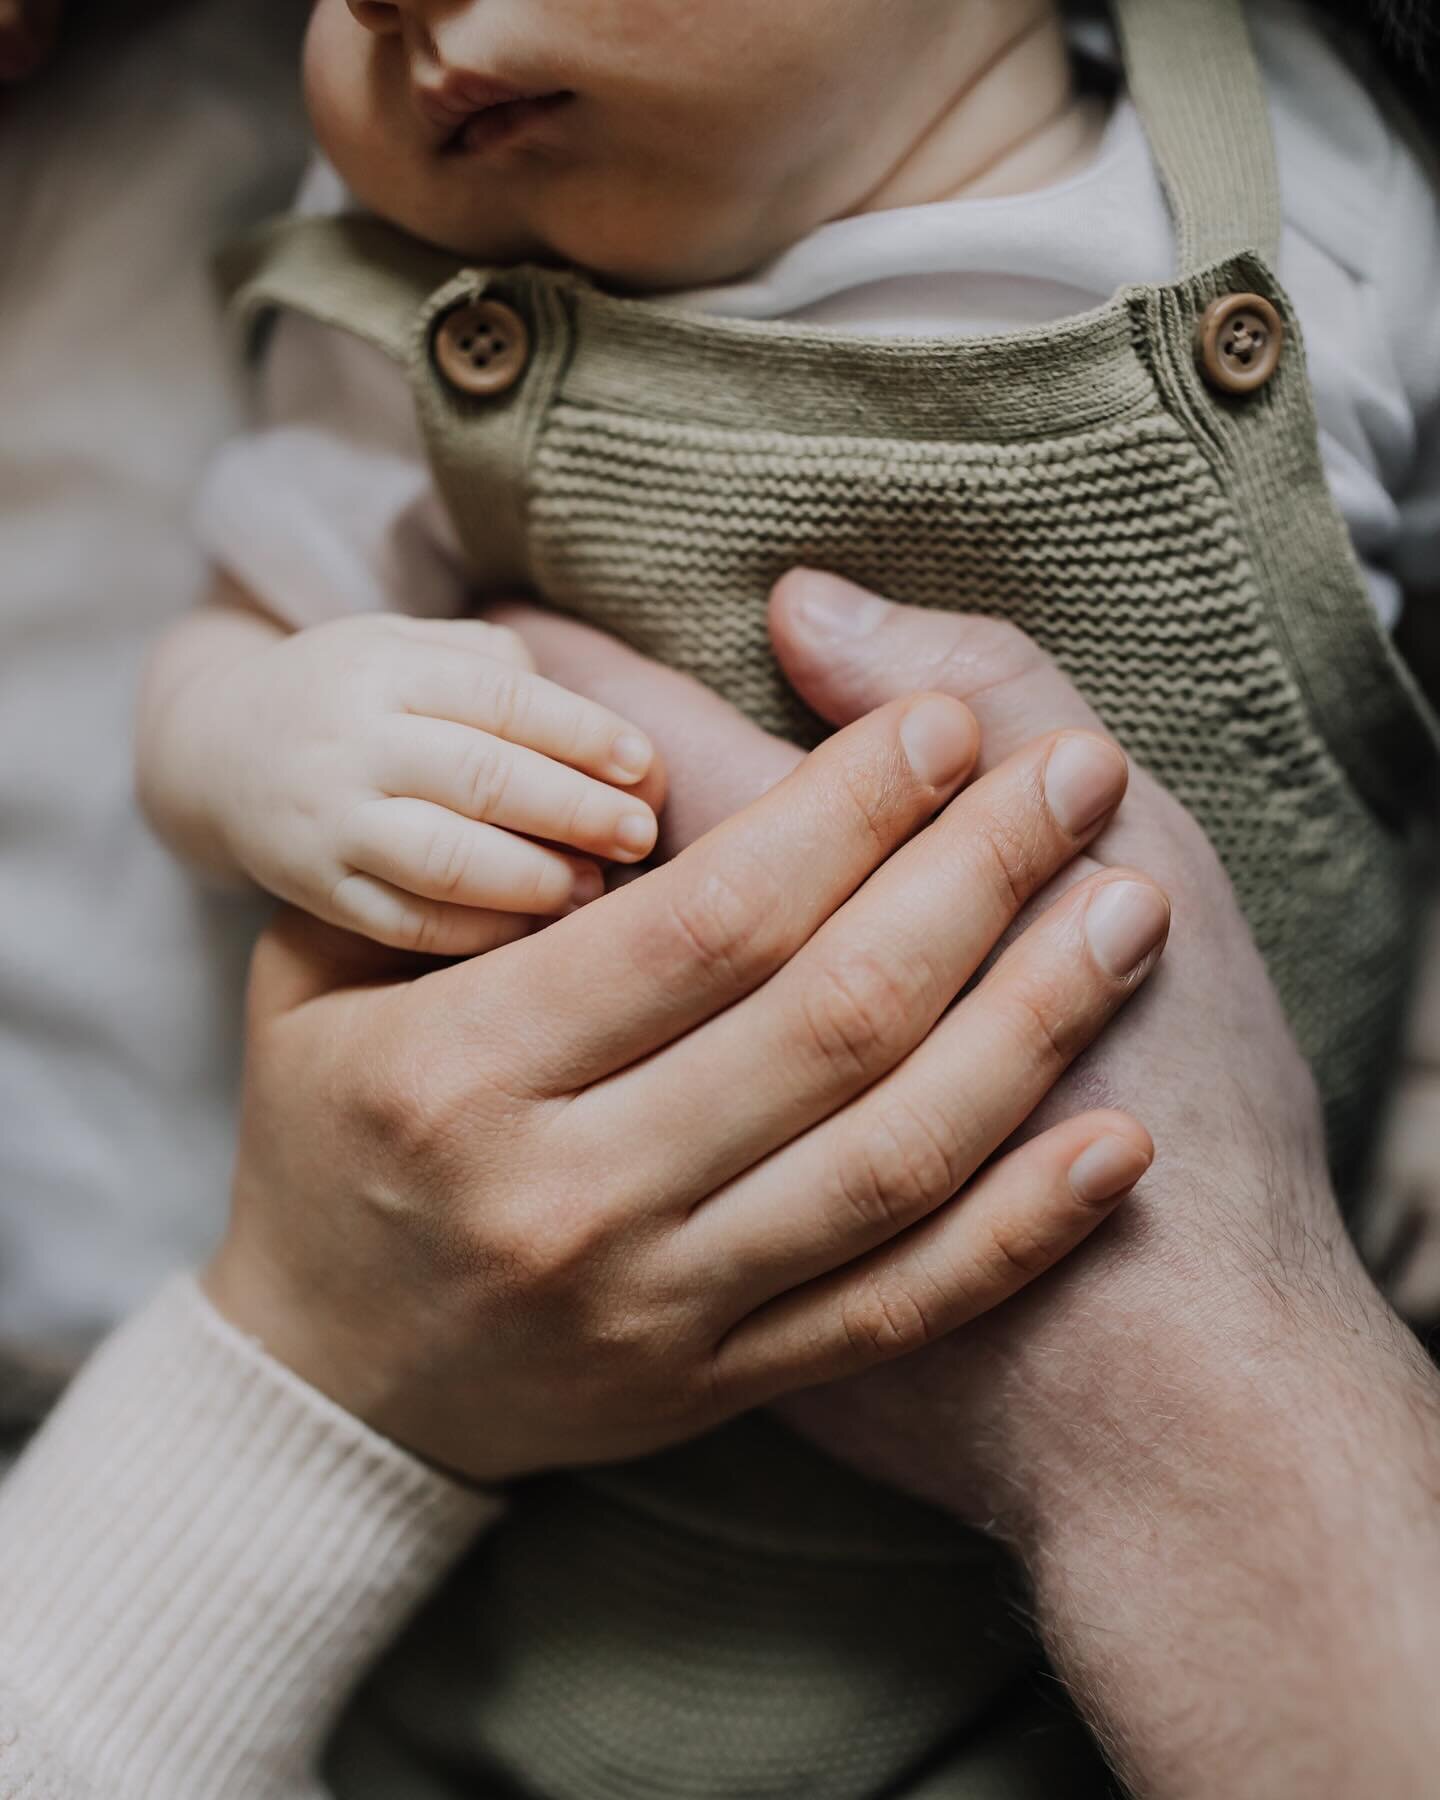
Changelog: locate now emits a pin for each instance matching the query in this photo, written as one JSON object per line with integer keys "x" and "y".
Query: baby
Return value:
{"x": 393, "y": 777}
{"x": 639, "y": 303}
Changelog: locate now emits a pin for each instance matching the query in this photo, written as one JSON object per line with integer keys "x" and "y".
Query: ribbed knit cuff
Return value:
{"x": 200, "y": 1556}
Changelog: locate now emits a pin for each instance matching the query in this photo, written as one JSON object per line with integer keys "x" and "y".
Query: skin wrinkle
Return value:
{"x": 1025, "y": 28}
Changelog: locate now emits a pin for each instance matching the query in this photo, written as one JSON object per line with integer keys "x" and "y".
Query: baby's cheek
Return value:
{"x": 353, "y": 83}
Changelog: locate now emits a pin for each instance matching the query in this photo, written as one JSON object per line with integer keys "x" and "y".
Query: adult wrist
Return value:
{"x": 200, "y": 1556}
{"x": 1226, "y": 1509}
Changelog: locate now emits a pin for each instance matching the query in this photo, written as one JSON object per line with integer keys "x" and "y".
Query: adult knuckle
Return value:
{"x": 573, "y": 1246}
{"x": 867, "y": 801}
{"x": 1017, "y": 1254}
{"x": 989, "y": 653}
{"x": 408, "y": 1107}
{"x": 1008, "y": 858}
{"x": 1047, "y": 1021}
{"x": 856, "y": 1016}
{"x": 896, "y": 1171}
{"x": 718, "y": 922}
{"x": 883, "y": 1322}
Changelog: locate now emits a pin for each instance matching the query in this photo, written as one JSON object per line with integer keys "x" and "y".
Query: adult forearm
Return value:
{"x": 1230, "y": 1514}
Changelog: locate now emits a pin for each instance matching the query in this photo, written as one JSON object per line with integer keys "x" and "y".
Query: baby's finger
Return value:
{"x": 430, "y": 851}
{"x": 527, "y": 709}
{"x": 1017, "y": 1219}
{"x": 387, "y": 915}
{"x": 483, "y": 777}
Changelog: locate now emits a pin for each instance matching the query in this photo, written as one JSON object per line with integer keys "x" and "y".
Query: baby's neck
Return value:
{"x": 1013, "y": 121}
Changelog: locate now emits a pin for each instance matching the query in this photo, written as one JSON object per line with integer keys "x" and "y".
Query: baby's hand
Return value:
{"x": 388, "y": 775}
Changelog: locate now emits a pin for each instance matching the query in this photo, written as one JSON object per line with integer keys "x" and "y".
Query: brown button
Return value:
{"x": 482, "y": 348}
{"x": 1239, "y": 341}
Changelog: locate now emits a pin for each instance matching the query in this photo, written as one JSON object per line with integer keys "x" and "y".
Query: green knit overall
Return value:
{"x": 739, "y": 1617}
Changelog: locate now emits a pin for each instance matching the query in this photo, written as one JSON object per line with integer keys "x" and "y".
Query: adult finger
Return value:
{"x": 645, "y": 965}
{"x": 876, "y": 977}
{"x": 914, "y": 1139}
{"x": 1026, "y": 1213}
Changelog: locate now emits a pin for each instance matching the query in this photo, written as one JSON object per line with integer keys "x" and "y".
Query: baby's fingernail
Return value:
{"x": 1084, "y": 780}
{"x": 1124, "y": 922}
{"x": 1109, "y": 1167}
{"x": 635, "y": 833}
{"x": 631, "y": 756}
{"x": 938, "y": 737}
{"x": 589, "y": 885}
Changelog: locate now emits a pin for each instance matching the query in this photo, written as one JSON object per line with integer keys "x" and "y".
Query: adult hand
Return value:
{"x": 1209, "y": 1052}
{"x": 609, "y": 1184}
{"x": 1214, "y": 1447}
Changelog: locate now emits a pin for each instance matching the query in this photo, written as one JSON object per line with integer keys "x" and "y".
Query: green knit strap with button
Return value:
{"x": 1192, "y": 72}
{"x": 353, "y": 272}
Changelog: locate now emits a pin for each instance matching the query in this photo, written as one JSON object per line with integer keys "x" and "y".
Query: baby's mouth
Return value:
{"x": 502, "y": 121}
{"x": 470, "y": 112}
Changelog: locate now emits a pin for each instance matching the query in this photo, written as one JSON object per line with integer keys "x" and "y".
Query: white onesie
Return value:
{"x": 327, "y": 506}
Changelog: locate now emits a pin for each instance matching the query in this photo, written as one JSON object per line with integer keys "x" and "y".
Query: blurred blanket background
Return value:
{"x": 157, "y": 133}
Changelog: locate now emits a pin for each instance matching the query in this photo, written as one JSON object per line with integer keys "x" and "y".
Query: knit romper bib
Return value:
{"x": 740, "y": 1617}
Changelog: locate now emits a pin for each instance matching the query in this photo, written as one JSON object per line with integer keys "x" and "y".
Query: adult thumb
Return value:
{"x": 847, "y": 651}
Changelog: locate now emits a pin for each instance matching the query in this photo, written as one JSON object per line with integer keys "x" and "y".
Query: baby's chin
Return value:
{"x": 656, "y": 258}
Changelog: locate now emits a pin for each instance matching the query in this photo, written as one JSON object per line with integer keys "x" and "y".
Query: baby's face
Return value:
{"x": 657, "y": 143}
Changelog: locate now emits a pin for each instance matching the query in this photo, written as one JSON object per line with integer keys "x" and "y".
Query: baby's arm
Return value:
{"x": 388, "y": 774}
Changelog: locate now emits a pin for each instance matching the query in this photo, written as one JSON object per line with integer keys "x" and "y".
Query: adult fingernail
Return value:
{"x": 1084, "y": 779}
{"x": 835, "y": 607}
{"x": 1109, "y": 1167}
{"x": 938, "y": 737}
{"x": 1125, "y": 922}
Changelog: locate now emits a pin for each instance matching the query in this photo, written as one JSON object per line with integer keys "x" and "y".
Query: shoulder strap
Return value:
{"x": 352, "y": 272}
{"x": 1193, "y": 76}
